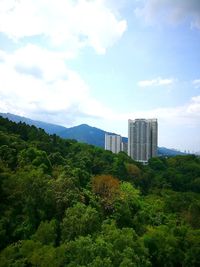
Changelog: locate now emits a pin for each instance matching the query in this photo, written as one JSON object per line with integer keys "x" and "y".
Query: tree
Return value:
{"x": 107, "y": 188}
{"x": 79, "y": 220}
{"x": 163, "y": 247}
{"x": 127, "y": 205}
{"x": 192, "y": 253}
{"x": 65, "y": 192}
{"x": 124, "y": 246}
{"x": 46, "y": 233}
{"x": 133, "y": 171}
{"x": 157, "y": 164}
{"x": 35, "y": 157}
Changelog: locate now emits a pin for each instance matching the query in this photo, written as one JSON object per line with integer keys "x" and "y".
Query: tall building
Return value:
{"x": 113, "y": 142}
{"x": 142, "y": 139}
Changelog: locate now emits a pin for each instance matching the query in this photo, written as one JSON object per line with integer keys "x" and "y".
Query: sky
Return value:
{"x": 102, "y": 62}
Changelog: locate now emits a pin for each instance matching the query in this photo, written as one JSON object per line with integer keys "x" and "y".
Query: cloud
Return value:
{"x": 34, "y": 71}
{"x": 51, "y": 65}
{"x": 177, "y": 126}
{"x": 193, "y": 109}
{"x": 196, "y": 83}
{"x": 61, "y": 96}
{"x": 171, "y": 11}
{"x": 35, "y": 78}
{"x": 187, "y": 114}
{"x": 2, "y": 56}
{"x": 66, "y": 24}
{"x": 155, "y": 82}
{"x": 37, "y": 83}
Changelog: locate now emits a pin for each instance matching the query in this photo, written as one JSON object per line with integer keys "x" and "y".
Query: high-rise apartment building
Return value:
{"x": 142, "y": 139}
{"x": 124, "y": 147}
{"x": 113, "y": 142}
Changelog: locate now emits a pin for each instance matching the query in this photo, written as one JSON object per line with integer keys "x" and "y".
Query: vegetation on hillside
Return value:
{"x": 63, "y": 203}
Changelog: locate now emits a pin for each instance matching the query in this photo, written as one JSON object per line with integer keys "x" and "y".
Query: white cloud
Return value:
{"x": 178, "y": 126}
{"x": 193, "y": 108}
{"x": 37, "y": 82}
{"x": 196, "y": 83}
{"x": 61, "y": 96}
{"x": 2, "y": 56}
{"x": 187, "y": 114}
{"x": 65, "y": 23}
{"x": 171, "y": 11}
{"x": 35, "y": 79}
{"x": 51, "y": 64}
{"x": 155, "y": 82}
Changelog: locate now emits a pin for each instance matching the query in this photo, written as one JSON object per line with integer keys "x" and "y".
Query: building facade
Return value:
{"x": 124, "y": 147}
{"x": 142, "y": 139}
{"x": 113, "y": 142}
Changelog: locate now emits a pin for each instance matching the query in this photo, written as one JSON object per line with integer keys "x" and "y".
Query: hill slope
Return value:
{"x": 48, "y": 127}
{"x": 64, "y": 203}
{"x": 82, "y": 133}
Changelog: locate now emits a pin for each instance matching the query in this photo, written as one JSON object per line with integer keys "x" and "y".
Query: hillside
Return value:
{"x": 64, "y": 203}
{"x": 82, "y": 133}
{"x": 48, "y": 127}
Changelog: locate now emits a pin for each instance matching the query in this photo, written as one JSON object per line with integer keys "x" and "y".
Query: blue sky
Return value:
{"x": 102, "y": 62}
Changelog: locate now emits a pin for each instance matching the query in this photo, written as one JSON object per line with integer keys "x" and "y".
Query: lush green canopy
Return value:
{"x": 64, "y": 203}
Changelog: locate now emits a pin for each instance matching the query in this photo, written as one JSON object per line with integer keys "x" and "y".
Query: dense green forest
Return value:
{"x": 63, "y": 203}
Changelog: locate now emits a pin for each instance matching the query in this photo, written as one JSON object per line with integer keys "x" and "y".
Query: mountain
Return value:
{"x": 65, "y": 203}
{"x": 87, "y": 134}
{"x": 82, "y": 133}
{"x": 163, "y": 151}
{"x": 48, "y": 127}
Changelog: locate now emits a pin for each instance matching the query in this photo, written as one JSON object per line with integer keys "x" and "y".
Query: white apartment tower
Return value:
{"x": 113, "y": 142}
{"x": 142, "y": 139}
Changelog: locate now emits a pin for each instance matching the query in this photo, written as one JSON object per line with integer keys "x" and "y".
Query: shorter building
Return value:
{"x": 124, "y": 147}
{"x": 113, "y": 142}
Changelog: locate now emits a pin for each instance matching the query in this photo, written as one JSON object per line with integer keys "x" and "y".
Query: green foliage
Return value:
{"x": 127, "y": 204}
{"x": 65, "y": 192}
{"x": 35, "y": 157}
{"x": 46, "y": 233}
{"x": 79, "y": 220}
{"x": 157, "y": 164}
{"x": 63, "y": 203}
{"x": 124, "y": 246}
{"x": 163, "y": 247}
{"x": 152, "y": 213}
{"x": 193, "y": 249}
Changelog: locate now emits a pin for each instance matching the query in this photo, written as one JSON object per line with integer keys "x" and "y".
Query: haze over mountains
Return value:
{"x": 82, "y": 133}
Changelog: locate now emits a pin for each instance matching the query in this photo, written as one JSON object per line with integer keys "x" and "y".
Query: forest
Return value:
{"x": 64, "y": 203}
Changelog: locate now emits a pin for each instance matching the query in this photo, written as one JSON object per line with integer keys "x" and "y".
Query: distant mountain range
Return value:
{"x": 82, "y": 133}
